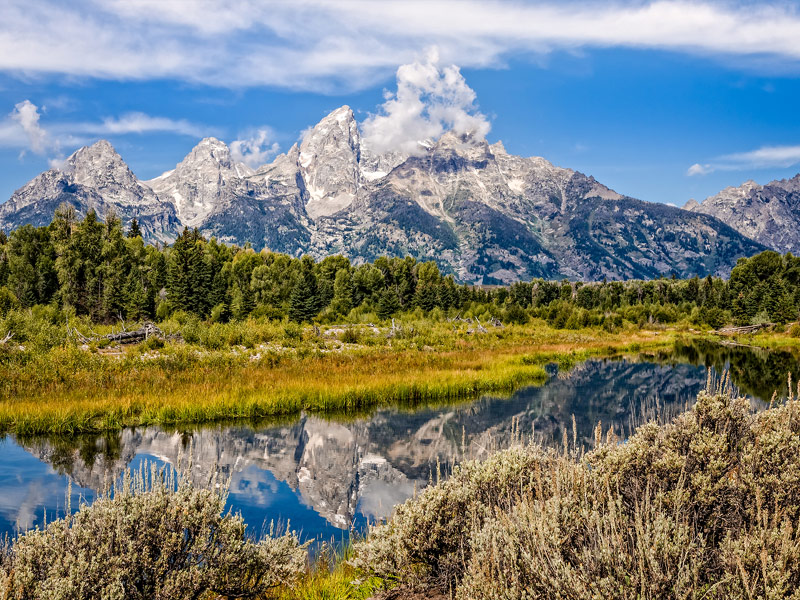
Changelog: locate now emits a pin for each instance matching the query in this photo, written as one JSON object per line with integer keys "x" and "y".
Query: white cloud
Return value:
{"x": 23, "y": 130}
{"x": 321, "y": 44}
{"x": 255, "y": 150}
{"x": 429, "y": 101}
{"x": 26, "y": 115}
{"x": 698, "y": 169}
{"x": 761, "y": 158}
{"x": 767, "y": 156}
{"x": 137, "y": 122}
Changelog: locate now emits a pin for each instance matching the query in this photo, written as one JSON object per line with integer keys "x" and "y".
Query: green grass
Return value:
{"x": 331, "y": 577}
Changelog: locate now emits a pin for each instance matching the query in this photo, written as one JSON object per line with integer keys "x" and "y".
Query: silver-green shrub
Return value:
{"x": 155, "y": 537}
{"x": 427, "y": 539}
{"x": 705, "y": 507}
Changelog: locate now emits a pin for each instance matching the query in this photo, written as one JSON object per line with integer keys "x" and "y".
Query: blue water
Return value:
{"x": 327, "y": 477}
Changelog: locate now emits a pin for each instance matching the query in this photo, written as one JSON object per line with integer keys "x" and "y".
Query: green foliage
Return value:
{"x": 155, "y": 537}
{"x": 305, "y": 301}
{"x": 388, "y": 303}
{"x": 8, "y": 301}
{"x": 514, "y": 313}
{"x": 96, "y": 270}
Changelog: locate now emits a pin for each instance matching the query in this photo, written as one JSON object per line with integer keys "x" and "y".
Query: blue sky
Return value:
{"x": 663, "y": 101}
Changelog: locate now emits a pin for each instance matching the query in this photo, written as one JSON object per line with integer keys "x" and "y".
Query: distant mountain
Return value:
{"x": 769, "y": 214}
{"x": 483, "y": 214}
{"x": 94, "y": 177}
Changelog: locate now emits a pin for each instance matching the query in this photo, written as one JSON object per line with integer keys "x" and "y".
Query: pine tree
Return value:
{"x": 786, "y": 311}
{"x": 113, "y": 269}
{"x": 388, "y": 303}
{"x": 134, "y": 230}
{"x": 304, "y": 303}
{"x": 342, "y": 292}
{"x": 428, "y": 278}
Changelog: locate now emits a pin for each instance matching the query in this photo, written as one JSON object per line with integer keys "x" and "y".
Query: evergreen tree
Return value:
{"x": 189, "y": 278}
{"x": 134, "y": 230}
{"x": 786, "y": 311}
{"x": 113, "y": 270}
{"x": 428, "y": 278}
{"x": 30, "y": 260}
{"x": 342, "y": 292}
{"x": 305, "y": 303}
{"x": 388, "y": 303}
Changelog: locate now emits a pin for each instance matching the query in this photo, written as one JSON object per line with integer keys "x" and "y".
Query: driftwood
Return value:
{"x": 146, "y": 331}
{"x": 137, "y": 335}
{"x": 479, "y": 329}
{"x": 7, "y": 338}
{"x": 743, "y": 329}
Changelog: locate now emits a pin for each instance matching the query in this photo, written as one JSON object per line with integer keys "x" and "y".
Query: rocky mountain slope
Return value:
{"x": 94, "y": 177}
{"x": 769, "y": 214}
{"x": 483, "y": 214}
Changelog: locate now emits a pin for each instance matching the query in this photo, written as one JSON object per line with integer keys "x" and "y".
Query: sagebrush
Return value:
{"x": 704, "y": 507}
{"x": 155, "y": 537}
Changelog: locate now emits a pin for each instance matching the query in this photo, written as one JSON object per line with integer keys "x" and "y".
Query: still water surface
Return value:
{"x": 330, "y": 475}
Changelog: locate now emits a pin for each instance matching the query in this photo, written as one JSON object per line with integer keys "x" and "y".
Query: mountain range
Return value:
{"x": 767, "y": 213}
{"x": 481, "y": 213}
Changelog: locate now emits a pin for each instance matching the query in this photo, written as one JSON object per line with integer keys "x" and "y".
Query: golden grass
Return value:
{"x": 109, "y": 394}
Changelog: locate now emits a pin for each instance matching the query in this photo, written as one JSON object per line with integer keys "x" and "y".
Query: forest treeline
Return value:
{"x": 100, "y": 270}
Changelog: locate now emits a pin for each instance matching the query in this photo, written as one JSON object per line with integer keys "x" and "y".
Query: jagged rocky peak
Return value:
{"x": 201, "y": 182}
{"x": 100, "y": 166}
{"x": 791, "y": 185}
{"x": 329, "y": 163}
{"x": 92, "y": 178}
{"x": 691, "y": 205}
{"x": 214, "y": 153}
{"x": 769, "y": 214}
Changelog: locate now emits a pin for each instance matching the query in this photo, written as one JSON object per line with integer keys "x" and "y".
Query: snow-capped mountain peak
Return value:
{"x": 329, "y": 163}
{"x": 197, "y": 185}
{"x": 481, "y": 213}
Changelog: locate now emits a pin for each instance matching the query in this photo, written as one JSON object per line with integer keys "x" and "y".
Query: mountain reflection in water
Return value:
{"x": 330, "y": 475}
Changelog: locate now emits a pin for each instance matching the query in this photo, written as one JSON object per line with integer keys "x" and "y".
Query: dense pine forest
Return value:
{"x": 102, "y": 271}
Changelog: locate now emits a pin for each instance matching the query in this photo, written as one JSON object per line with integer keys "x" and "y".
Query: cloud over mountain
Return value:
{"x": 429, "y": 101}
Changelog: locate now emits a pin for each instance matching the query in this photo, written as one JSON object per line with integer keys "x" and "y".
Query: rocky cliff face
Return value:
{"x": 769, "y": 214}
{"x": 201, "y": 183}
{"x": 482, "y": 214}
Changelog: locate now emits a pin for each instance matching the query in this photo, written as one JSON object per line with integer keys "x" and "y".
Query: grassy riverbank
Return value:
{"x": 257, "y": 369}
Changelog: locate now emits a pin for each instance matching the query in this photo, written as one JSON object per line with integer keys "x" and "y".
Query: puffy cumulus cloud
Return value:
{"x": 320, "y": 44}
{"x": 255, "y": 150}
{"x": 26, "y": 116}
{"x": 430, "y": 99}
{"x": 760, "y": 158}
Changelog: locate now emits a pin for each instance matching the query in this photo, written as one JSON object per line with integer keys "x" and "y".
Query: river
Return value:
{"x": 330, "y": 475}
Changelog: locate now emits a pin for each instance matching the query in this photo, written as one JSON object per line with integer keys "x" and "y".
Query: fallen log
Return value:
{"x": 744, "y": 329}
{"x": 137, "y": 335}
{"x": 146, "y": 331}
